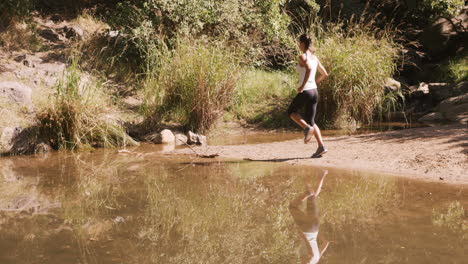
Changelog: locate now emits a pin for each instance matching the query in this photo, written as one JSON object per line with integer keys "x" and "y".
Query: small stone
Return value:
{"x": 392, "y": 85}
{"x": 119, "y": 219}
{"x": 197, "y": 139}
{"x": 42, "y": 148}
{"x": 164, "y": 137}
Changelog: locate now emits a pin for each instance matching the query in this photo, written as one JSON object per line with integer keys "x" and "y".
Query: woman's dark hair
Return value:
{"x": 307, "y": 40}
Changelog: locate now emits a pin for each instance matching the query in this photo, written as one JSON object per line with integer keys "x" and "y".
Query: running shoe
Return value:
{"x": 307, "y": 134}
{"x": 320, "y": 151}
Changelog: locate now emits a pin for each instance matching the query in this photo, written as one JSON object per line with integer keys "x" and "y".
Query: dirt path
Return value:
{"x": 431, "y": 154}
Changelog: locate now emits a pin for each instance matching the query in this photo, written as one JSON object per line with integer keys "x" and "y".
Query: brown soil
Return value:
{"x": 431, "y": 153}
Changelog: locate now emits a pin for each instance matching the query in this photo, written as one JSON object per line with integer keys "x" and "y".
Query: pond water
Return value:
{"x": 150, "y": 207}
{"x": 258, "y": 137}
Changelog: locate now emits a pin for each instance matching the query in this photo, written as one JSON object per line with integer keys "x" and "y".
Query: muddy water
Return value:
{"x": 149, "y": 207}
{"x": 257, "y": 137}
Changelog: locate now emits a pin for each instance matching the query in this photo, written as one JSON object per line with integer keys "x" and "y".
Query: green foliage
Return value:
{"x": 262, "y": 97}
{"x": 453, "y": 70}
{"x": 358, "y": 64}
{"x": 426, "y": 11}
{"x": 254, "y": 26}
{"x": 193, "y": 84}
{"x": 79, "y": 116}
{"x": 10, "y": 9}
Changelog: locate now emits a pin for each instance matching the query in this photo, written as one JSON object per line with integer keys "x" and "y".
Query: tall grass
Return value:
{"x": 262, "y": 97}
{"x": 193, "y": 84}
{"x": 453, "y": 70}
{"x": 358, "y": 63}
{"x": 80, "y": 115}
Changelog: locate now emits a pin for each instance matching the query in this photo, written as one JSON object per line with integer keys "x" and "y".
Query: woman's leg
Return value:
{"x": 297, "y": 104}
{"x": 318, "y": 135}
{"x": 298, "y": 119}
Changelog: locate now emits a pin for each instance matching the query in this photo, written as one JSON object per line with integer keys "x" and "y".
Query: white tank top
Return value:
{"x": 313, "y": 63}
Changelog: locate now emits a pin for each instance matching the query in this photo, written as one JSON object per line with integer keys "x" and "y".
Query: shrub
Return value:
{"x": 11, "y": 9}
{"x": 79, "y": 116}
{"x": 20, "y": 35}
{"x": 193, "y": 85}
{"x": 258, "y": 27}
{"x": 453, "y": 70}
{"x": 358, "y": 64}
{"x": 262, "y": 97}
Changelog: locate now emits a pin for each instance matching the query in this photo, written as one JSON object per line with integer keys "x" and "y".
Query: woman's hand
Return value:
{"x": 300, "y": 89}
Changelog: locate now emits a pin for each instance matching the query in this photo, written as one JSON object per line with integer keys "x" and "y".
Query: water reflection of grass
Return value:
{"x": 452, "y": 218}
{"x": 192, "y": 221}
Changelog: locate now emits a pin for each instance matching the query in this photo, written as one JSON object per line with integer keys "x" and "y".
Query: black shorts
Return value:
{"x": 308, "y": 100}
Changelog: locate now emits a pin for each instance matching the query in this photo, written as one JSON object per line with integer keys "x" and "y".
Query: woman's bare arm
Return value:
{"x": 323, "y": 73}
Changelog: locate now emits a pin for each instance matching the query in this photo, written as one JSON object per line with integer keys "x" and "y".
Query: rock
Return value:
{"x": 197, "y": 139}
{"x": 455, "y": 108}
{"x": 167, "y": 137}
{"x": 442, "y": 91}
{"x": 16, "y": 92}
{"x": 73, "y": 32}
{"x": 29, "y": 63}
{"x": 164, "y": 137}
{"x": 50, "y": 34}
{"x": 392, "y": 85}
{"x": 119, "y": 219}
{"x": 434, "y": 117}
{"x": 7, "y": 135}
{"x": 446, "y": 35}
{"x": 417, "y": 91}
{"x": 20, "y": 58}
{"x": 181, "y": 139}
{"x": 42, "y": 148}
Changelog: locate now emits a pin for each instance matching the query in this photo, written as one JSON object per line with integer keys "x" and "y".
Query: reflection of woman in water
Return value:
{"x": 309, "y": 222}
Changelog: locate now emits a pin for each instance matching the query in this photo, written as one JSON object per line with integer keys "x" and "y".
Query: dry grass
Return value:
{"x": 81, "y": 115}
{"x": 89, "y": 23}
{"x": 20, "y": 36}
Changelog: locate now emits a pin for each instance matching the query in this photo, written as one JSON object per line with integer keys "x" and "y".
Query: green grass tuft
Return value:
{"x": 80, "y": 116}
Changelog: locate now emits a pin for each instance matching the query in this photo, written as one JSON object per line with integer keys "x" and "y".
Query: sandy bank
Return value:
{"x": 432, "y": 154}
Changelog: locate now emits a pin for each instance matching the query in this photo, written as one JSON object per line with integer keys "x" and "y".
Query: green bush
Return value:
{"x": 193, "y": 84}
{"x": 258, "y": 27}
{"x": 262, "y": 97}
{"x": 358, "y": 64}
{"x": 79, "y": 116}
{"x": 10, "y": 9}
{"x": 453, "y": 70}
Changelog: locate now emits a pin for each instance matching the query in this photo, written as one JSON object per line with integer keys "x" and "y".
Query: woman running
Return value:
{"x": 307, "y": 96}
{"x": 309, "y": 221}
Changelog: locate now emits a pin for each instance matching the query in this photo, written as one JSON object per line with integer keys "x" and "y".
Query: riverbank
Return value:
{"x": 436, "y": 154}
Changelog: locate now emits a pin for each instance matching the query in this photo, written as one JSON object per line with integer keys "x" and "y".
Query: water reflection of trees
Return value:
{"x": 142, "y": 210}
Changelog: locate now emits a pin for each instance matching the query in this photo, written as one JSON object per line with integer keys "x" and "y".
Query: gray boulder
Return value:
{"x": 196, "y": 139}
{"x": 442, "y": 91}
{"x": 16, "y": 92}
{"x": 392, "y": 85}
{"x": 164, "y": 137}
{"x": 455, "y": 108}
{"x": 431, "y": 118}
{"x": 446, "y": 34}
{"x": 7, "y": 138}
